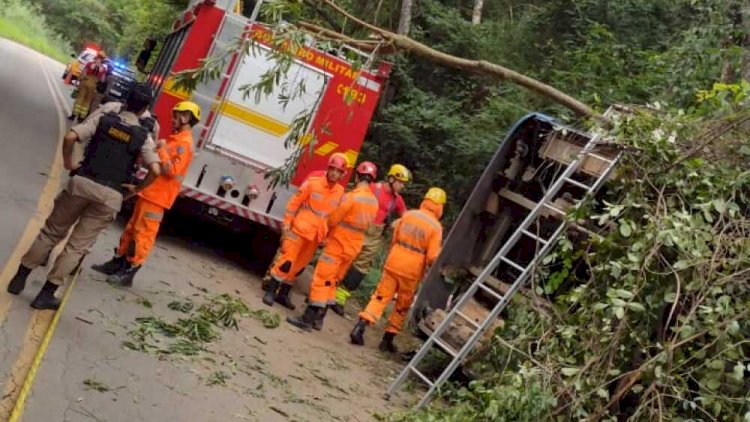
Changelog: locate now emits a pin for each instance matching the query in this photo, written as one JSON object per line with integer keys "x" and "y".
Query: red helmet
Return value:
{"x": 338, "y": 161}
{"x": 368, "y": 168}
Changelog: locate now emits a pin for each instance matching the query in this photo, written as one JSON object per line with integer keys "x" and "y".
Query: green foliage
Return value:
{"x": 659, "y": 327}
{"x": 119, "y": 26}
{"x": 22, "y": 23}
{"x": 190, "y": 335}
{"x": 519, "y": 397}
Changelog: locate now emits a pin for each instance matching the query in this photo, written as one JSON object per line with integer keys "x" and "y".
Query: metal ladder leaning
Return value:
{"x": 501, "y": 256}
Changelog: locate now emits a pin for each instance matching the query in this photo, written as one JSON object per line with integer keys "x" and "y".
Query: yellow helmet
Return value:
{"x": 189, "y": 106}
{"x": 436, "y": 195}
{"x": 400, "y": 173}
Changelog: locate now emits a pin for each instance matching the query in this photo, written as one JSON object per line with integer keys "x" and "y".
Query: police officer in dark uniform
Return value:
{"x": 94, "y": 194}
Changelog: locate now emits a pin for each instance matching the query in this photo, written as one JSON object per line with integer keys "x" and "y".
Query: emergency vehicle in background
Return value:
{"x": 73, "y": 69}
{"x": 239, "y": 139}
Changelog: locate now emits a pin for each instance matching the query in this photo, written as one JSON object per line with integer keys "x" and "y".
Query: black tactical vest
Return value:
{"x": 111, "y": 154}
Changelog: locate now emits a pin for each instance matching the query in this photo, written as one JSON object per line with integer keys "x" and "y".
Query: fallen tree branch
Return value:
{"x": 364, "y": 45}
{"x": 709, "y": 140}
{"x": 480, "y": 67}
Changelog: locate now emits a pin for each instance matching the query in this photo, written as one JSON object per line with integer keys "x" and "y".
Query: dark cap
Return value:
{"x": 141, "y": 93}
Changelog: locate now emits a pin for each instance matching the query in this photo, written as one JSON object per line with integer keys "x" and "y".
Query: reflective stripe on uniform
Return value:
{"x": 327, "y": 258}
{"x": 352, "y": 227}
{"x": 424, "y": 217}
{"x": 153, "y": 215}
{"x": 314, "y": 211}
{"x": 410, "y": 247}
{"x": 366, "y": 200}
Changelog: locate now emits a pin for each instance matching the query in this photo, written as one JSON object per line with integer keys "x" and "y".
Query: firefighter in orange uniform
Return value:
{"x": 266, "y": 280}
{"x": 348, "y": 225}
{"x": 139, "y": 235}
{"x": 305, "y": 226}
{"x": 417, "y": 237}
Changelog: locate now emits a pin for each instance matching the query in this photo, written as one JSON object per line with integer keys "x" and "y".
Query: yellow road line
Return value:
{"x": 43, "y": 208}
{"x": 31, "y": 374}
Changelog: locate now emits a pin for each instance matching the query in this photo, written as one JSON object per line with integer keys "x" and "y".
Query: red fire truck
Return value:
{"x": 240, "y": 139}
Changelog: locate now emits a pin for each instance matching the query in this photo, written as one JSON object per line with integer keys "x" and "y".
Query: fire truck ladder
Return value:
{"x": 458, "y": 356}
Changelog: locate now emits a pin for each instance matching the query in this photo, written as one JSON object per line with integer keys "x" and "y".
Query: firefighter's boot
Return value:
{"x": 306, "y": 320}
{"x": 282, "y": 297}
{"x": 386, "y": 344}
{"x": 112, "y": 266}
{"x": 270, "y": 295}
{"x": 124, "y": 277}
{"x": 342, "y": 295}
{"x": 318, "y": 323}
{"x": 46, "y": 298}
{"x": 18, "y": 282}
{"x": 357, "y": 336}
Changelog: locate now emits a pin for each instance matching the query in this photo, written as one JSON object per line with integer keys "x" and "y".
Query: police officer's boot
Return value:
{"x": 125, "y": 276}
{"x": 386, "y": 344}
{"x": 282, "y": 297}
{"x": 112, "y": 266}
{"x": 318, "y": 323}
{"x": 357, "y": 336}
{"x": 306, "y": 320}
{"x": 18, "y": 282}
{"x": 270, "y": 295}
{"x": 46, "y": 298}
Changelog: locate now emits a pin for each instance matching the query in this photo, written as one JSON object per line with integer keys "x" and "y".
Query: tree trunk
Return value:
{"x": 745, "y": 66}
{"x": 480, "y": 67}
{"x": 404, "y": 22}
{"x": 738, "y": 38}
{"x": 476, "y": 16}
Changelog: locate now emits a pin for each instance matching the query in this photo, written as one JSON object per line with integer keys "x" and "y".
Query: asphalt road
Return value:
{"x": 29, "y": 135}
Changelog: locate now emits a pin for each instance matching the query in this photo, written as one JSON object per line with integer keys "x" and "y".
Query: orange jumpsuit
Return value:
{"x": 415, "y": 246}
{"x": 139, "y": 235}
{"x": 305, "y": 226}
{"x": 348, "y": 225}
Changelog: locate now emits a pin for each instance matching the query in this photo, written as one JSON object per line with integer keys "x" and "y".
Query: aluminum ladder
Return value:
{"x": 502, "y": 256}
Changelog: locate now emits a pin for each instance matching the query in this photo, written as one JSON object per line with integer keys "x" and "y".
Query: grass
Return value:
{"x": 21, "y": 23}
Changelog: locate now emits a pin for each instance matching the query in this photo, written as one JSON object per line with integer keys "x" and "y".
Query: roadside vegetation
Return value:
{"x": 24, "y": 24}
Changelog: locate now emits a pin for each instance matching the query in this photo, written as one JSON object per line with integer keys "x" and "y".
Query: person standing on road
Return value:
{"x": 391, "y": 204}
{"x": 348, "y": 225}
{"x": 94, "y": 193}
{"x": 92, "y": 74}
{"x": 417, "y": 237}
{"x": 139, "y": 236}
{"x": 266, "y": 280}
{"x": 305, "y": 226}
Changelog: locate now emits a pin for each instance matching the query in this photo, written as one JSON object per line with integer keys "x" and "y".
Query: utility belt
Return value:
{"x": 112, "y": 185}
